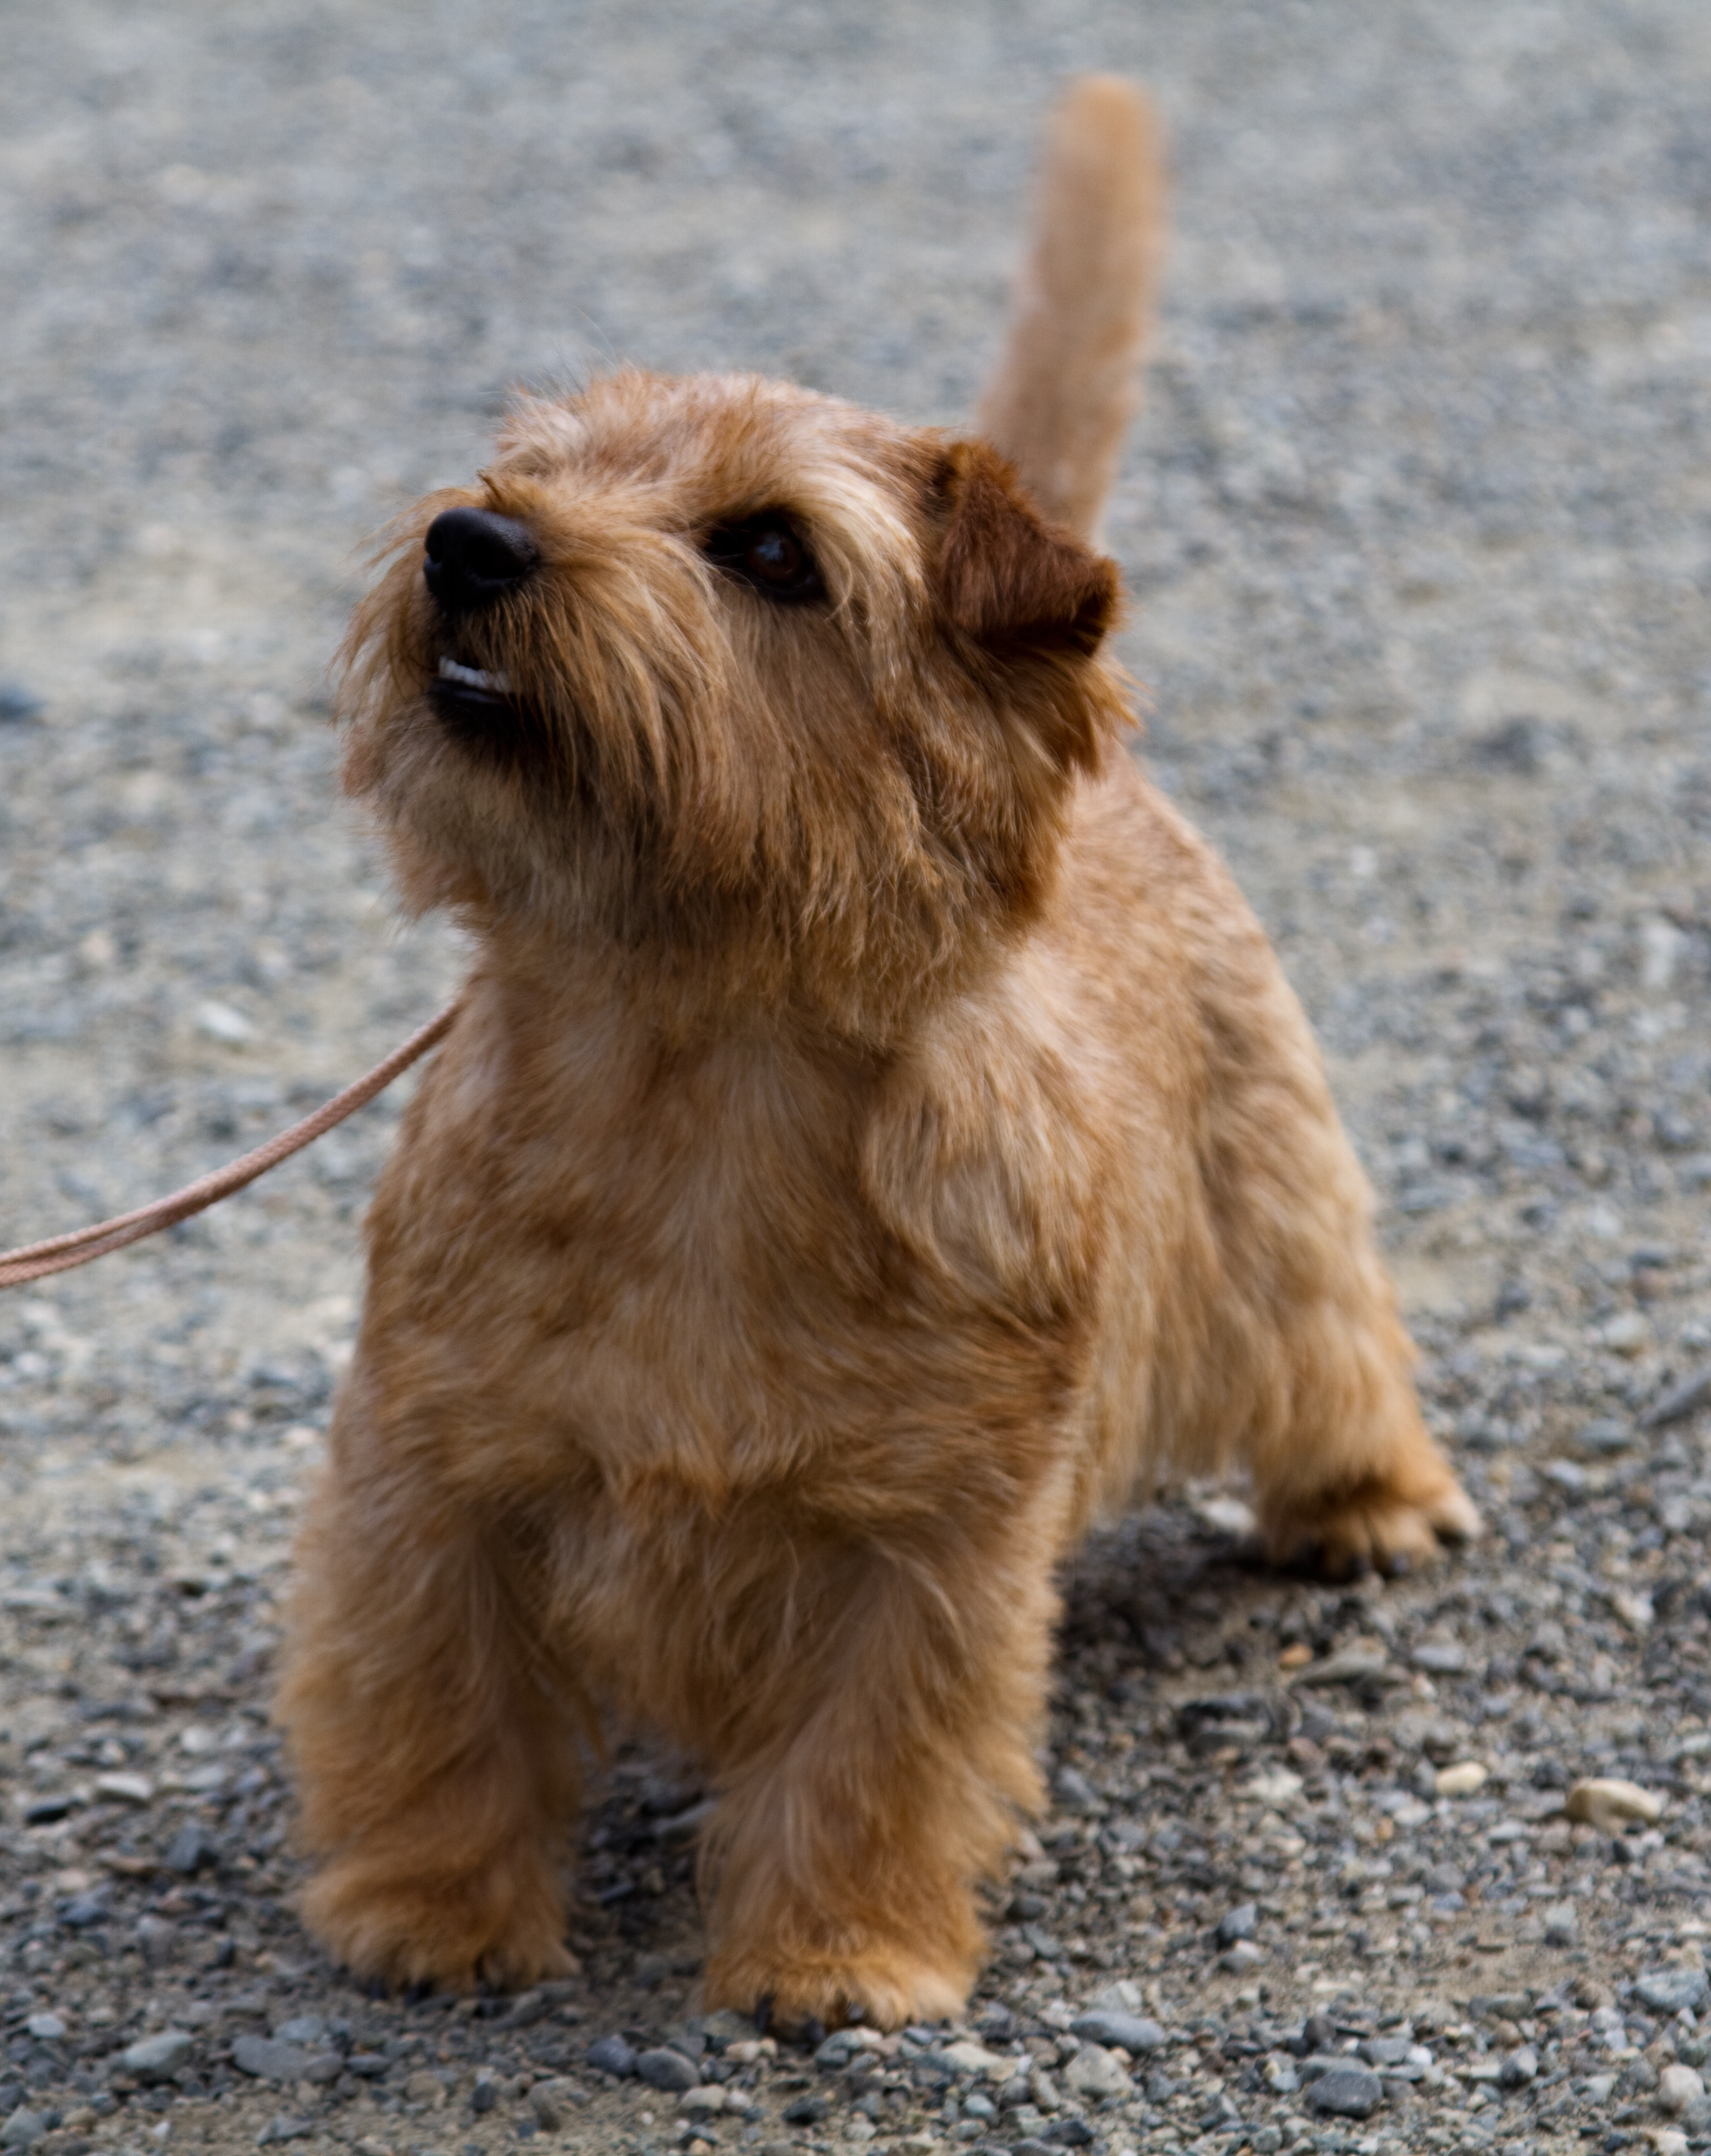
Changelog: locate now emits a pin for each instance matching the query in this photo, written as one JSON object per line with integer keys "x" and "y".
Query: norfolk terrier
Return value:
{"x": 876, "y": 1141}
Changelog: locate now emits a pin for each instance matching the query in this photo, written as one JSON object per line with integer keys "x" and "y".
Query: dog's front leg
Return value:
{"x": 433, "y": 1744}
{"x": 876, "y": 1775}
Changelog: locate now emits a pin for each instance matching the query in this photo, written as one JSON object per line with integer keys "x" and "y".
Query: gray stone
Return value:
{"x": 1094, "y": 2072}
{"x": 553, "y": 2102}
{"x": 190, "y": 1850}
{"x": 1346, "y": 2091}
{"x": 1240, "y": 1923}
{"x": 1678, "y": 2086}
{"x": 1668, "y": 1990}
{"x": 45, "y": 2028}
{"x": 303, "y": 2029}
{"x": 611, "y": 2055}
{"x": 44, "y": 1811}
{"x": 158, "y": 1939}
{"x": 158, "y": 2058}
{"x": 1562, "y": 1924}
{"x": 1518, "y": 2068}
{"x": 1244, "y": 1955}
{"x": 283, "y": 2127}
{"x": 24, "y": 2129}
{"x": 668, "y": 2069}
{"x": 270, "y": 2059}
{"x": 1074, "y": 1791}
{"x": 1131, "y": 2032}
{"x": 725, "y": 2027}
{"x": 484, "y": 2096}
{"x": 1638, "y": 2076}
{"x": 1068, "y": 2133}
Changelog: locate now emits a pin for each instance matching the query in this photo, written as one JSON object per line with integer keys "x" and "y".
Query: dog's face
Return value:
{"x": 721, "y": 668}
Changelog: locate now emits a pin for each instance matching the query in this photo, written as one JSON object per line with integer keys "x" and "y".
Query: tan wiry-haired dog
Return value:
{"x": 876, "y": 1140}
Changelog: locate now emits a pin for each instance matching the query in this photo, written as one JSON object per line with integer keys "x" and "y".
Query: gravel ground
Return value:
{"x": 1416, "y": 524}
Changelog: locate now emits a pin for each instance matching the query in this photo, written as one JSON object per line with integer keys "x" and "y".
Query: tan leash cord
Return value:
{"x": 34, "y": 1261}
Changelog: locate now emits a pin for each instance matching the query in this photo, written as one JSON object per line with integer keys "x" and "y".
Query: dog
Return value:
{"x": 876, "y": 1140}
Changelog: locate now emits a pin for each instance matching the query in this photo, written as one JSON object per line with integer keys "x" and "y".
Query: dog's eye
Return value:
{"x": 770, "y": 555}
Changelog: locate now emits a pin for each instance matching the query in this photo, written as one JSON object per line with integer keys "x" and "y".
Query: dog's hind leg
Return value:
{"x": 1349, "y": 1479}
{"x": 434, "y": 1748}
{"x": 1302, "y": 1369}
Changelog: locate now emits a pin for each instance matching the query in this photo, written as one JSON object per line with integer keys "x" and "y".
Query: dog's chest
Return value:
{"x": 632, "y": 1252}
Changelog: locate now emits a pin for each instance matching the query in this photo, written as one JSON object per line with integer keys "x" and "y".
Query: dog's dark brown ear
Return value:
{"x": 1007, "y": 575}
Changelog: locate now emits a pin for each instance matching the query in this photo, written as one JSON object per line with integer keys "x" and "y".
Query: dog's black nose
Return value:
{"x": 473, "y": 556}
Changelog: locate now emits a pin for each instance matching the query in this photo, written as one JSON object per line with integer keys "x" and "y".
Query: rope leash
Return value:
{"x": 59, "y": 1253}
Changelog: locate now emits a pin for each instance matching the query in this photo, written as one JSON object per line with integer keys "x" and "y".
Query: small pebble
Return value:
{"x": 664, "y": 2068}
{"x": 1462, "y": 1779}
{"x": 1677, "y": 2086}
{"x": 1095, "y": 2073}
{"x": 1612, "y": 1804}
{"x": 158, "y": 2058}
{"x": 1346, "y": 2091}
{"x": 1240, "y": 1923}
{"x": 1130, "y": 2032}
{"x": 1518, "y": 2068}
{"x": 555, "y": 2103}
{"x": 1672, "y": 1990}
{"x": 611, "y": 2055}
{"x": 191, "y": 1851}
{"x": 126, "y": 1788}
{"x": 268, "y": 2060}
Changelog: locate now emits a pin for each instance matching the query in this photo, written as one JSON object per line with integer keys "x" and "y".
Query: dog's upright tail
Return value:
{"x": 1064, "y": 385}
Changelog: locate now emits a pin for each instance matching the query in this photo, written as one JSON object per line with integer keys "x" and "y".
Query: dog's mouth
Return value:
{"x": 472, "y": 688}
{"x": 476, "y": 704}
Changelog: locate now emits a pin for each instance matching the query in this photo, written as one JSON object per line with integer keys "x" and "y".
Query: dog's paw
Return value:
{"x": 1378, "y": 1527}
{"x": 490, "y": 1934}
{"x": 886, "y": 1986}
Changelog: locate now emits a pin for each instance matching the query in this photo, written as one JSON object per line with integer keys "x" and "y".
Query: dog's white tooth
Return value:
{"x": 475, "y": 677}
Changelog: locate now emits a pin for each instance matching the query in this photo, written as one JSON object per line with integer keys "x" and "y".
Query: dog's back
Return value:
{"x": 1065, "y": 386}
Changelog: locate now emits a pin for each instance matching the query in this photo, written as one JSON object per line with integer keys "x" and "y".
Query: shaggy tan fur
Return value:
{"x": 876, "y": 1141}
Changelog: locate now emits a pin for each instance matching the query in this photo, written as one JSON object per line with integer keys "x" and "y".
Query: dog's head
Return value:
{"x": 725, "y": 671}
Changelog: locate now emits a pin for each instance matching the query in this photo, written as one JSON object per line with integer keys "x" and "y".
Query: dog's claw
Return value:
{"x": 813, "y": 2033}
{"x": 763, "y": 2016}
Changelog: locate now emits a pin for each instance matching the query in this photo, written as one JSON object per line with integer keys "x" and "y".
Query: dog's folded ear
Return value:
{"x": 1007, "y": 575}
